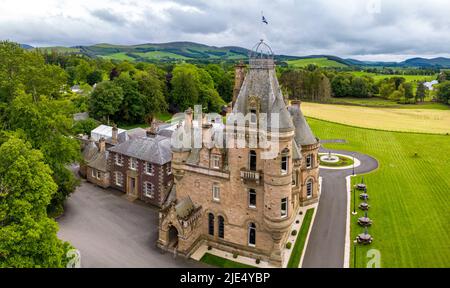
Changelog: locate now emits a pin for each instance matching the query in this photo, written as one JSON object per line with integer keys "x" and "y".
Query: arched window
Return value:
{"x": 211, "y": 224}
{"x": 252, "y": 160}
{"x": 221, "y": 226}
{"x": 309, "y": 188}
{"x": 251, "y": 234}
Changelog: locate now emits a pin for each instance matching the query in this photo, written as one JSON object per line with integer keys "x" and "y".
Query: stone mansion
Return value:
{"x": 232, "y": 198}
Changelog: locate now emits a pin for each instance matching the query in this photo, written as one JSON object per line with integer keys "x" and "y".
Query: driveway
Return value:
{"x": 110, "y": 231}
{"x": 326, "y": 243}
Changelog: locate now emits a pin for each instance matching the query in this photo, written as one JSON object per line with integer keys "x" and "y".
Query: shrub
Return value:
{"x": 294, "y": 232}
{"x": 235, "y": 255}
{"x": 288, "y": 245}
{"x": 258, "y": 261}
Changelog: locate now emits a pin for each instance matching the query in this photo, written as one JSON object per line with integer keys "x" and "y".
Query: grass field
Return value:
{"x": 118, "y": 56}
{"x": 297, "y": 251}
{"x": 321, "y": 62}
{"x": 158, "y": 55}
{"x": 408, "y": 78}
{"x": 391, "y": 119}
{"x": 409, "y": 196}
{"x": 222, "y": 262}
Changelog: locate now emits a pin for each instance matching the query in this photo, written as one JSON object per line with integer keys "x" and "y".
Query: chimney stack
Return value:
{"x": 238, "y": 80}
{"x": 115, "y": 134}
{"x": 102, "y": 145}
{"x": 296, "y": 103}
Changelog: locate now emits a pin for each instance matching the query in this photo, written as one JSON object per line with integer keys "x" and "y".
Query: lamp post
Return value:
{"x": 353, "y": 154}
{"x": 354, "y": 253}
{"x": 354, "y": 202}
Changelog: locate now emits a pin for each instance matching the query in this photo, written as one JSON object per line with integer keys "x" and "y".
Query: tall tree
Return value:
{"x": 27, "y": 236}
{"x": 105, "y": 100}
{"x": 421, "y": 92}
{"x": 151, "y": 89}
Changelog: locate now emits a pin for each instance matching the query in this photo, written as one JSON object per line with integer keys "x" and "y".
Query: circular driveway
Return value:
{"x": 326, "y": 242}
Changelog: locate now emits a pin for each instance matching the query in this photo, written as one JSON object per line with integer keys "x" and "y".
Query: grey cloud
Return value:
{"x": 335, "y": 27}
{"x": 108, "y": 16}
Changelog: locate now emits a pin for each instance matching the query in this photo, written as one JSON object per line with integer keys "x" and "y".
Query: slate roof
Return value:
{"x": 303, "y": 133}
{"x": 90, "y": 150}
{"x": 151, "y": 149}
{"x": 261, "y": 82}
{"x": 100, "y": 161}
{"x": 184, "y": 208}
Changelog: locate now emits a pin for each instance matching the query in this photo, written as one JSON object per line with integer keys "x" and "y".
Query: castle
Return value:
{"x": 236, "y": 198}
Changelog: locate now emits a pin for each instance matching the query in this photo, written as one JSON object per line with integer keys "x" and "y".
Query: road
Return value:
{"x": 325, "y": 248}
{"x": 110, "y": 231}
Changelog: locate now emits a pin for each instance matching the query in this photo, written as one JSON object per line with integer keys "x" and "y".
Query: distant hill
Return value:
{"x": 26, "y": 46}
{"x": 179, "y": 51}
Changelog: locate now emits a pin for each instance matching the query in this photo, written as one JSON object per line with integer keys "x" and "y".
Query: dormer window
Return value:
{"x": 215, "y": 161}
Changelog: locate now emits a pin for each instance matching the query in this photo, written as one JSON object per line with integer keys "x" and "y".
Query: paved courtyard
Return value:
{"x": 110, "y": 231}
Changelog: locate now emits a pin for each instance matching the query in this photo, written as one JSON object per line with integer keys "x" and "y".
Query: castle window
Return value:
{"x": 284, "y": 165}
{"x": 149, "y": 169}
{"x": 252, "y": 160}
{"x": 149, "y": 190}
{"x": 119, "y": 178}
{"x": 133, "y": 164}
{"x": 211, "y": 224}
{"x": 221, "y": 227}
{"x": 118, "y": 159}
{"x": 216, "y": 192}
{"x": 215, "y": 161}
{"x": 284, "y": 207}
{"x": 252, "y": 116}
{"x": 309, "y": 161}
{"x": 251, "y": 234}
{"x": 309, "y": 188}
{"x": 252, "y": 198}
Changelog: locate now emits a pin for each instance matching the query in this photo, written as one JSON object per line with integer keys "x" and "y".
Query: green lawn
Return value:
{"x": 321, "y": 62}
{"x": 409, "y": 195}
{"x": 118, "y": 56}
{"x": 222, "y": 262}
{"x": 158, "y": 55}
{"x": 297, "y": 251}
{"x": 408, "y": 78}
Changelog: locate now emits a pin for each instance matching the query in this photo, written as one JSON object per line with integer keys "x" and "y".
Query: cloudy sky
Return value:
{"x": 363, "y": 29}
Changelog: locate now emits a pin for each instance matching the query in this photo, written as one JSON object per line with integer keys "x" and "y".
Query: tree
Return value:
{"x": 132, "y": 109}
{"x": 408, "y": 90}
{"x": 27, "y": 236}
{"x": 94, "y": 77}
{"x": 386, "y": 89}
{"x": 185, "y": 87}
{"x": 443, "y": 92}
{"x": 341, "y": 86}
{"x": 359, "y": 87}
{"x": 421, "y": 92}
{"x": 47, "y": 125}
{"x": 151, "y": 88}
{"x": 105, "y": 100}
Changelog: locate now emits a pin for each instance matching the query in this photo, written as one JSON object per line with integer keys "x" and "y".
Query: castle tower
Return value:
{"x": 243, "y": 199}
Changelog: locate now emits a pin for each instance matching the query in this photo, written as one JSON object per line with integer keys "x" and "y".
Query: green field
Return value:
{"x": 222, "y": 262}
{"x": 381, "y": 102}
{"x": 118, "y": 56}
{"x": 158, "y": 55}
{"x": 409, "y": 194}
{"x": 321, "y": 62}
{"x": 408, "y": 78}
{"x": 297, "y": 251}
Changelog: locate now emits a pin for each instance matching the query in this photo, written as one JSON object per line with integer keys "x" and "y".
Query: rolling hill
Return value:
{"x": 190, "y": 51}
